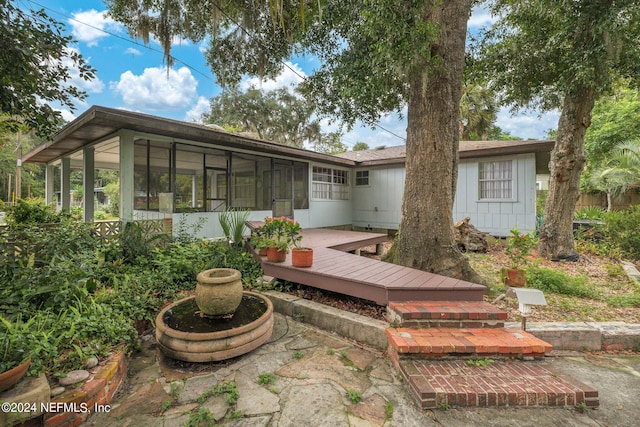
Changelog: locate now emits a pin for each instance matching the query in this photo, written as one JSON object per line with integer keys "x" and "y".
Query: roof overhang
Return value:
{"x": 98, "y": 123}
{"x": 481, "y": 149}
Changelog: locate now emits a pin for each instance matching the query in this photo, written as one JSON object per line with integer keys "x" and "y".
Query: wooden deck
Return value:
{"x": 336, "y": 270}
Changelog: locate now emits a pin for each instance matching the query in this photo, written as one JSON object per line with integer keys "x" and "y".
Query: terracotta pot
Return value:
{"x": 262, "y": 252}
{"x": 302, "y": 257}
{"x": 9, "y": 378}
{"x": 514, "y": 277}
{"x": 219, "y": 291}
{"x": 274, "y": 255}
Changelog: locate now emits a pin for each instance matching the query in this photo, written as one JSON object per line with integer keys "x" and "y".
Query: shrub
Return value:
{"x": 32, "y": 211}
{"x": 589, "y": 213}
{"x": 621, "y": 229}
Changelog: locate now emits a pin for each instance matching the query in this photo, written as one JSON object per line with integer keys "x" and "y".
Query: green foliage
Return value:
{"x": 267, "y": 379}
{"x": 354, "y": 396}
{"x": 136, "y": 245}
{"x": 621, "y": 229}
{"x": 230, "y": 391}
{"x": 233, "y": 225}
{"x": 202, "y": 418}
{"x": 15, "y": 343}
{"x": 297, "y": 355}
{"x": 112, "y": 191}
{"x": 388, "y": 410}
{"x": 33, "y": 211}
{"x": 591, "y": 213}
{"x": 519, "y": 246}
{"x": 620, "y": 170}
{"x": 627, "y": 300}
{"x": 555, "y": 281}
{"x": 81, "y": 297}
{"x": 360, "y": 146}
{"x": 276, "y": 115}
{"x": 613, "y": 121}
{"x": 27, "y": 88}
{"x": 481, "y": 363}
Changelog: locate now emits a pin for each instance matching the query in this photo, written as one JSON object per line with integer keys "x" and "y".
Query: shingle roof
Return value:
{"x": 468, "y": 149}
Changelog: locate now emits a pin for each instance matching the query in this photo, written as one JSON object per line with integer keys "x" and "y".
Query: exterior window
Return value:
{"x": 362, "y": 177}
{"x": 151, "y": 174}
{"x": 330, "y": 184}
{"x": 496, "y": 180}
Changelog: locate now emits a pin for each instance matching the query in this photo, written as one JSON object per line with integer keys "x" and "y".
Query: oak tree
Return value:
{"x": 550, "y": 54}
{"x": 376, "y": 56}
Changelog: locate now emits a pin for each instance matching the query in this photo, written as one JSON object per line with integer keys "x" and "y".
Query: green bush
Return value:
{"x": 82, "y": 296}
{"x": 548, "y": 280}
{"x": 622, "y": 229}
{"x": 591, "y": 213}
{"x": 33, "y": 211}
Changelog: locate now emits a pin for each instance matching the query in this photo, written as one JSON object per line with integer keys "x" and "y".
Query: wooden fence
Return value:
{"x": 630, "y": 198}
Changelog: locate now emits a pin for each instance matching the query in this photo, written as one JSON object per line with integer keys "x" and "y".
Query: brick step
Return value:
{"x": 464, "y": 342}
{"x": 445, "y": 314}
{"x": 444, "y": 384}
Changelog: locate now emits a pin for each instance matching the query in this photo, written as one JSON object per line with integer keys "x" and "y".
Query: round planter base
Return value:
{"x": 218, "y": 339}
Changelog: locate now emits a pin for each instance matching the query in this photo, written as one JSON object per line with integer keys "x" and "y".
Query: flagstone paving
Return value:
{"x": 312, "y": 390}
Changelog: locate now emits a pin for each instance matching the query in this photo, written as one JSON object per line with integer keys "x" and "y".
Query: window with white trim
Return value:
{"x": 330, "y": 184}
{"x": 496, "y": 180}
{"x": 362, "y": 178}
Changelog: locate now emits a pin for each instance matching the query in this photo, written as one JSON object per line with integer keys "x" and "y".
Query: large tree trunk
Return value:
{"x": 426, "y": 238}
{"x": 567, "y": 161}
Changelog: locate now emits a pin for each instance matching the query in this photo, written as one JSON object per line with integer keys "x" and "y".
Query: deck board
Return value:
{"x": 336, "y": 270}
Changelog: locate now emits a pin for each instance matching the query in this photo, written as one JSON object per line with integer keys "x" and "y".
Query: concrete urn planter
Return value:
{"x": 219, "y": 291}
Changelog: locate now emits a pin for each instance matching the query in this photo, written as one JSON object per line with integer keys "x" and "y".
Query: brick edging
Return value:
{"x": 81, "y": 402}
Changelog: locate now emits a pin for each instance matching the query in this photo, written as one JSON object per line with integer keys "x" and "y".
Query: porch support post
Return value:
{"x": 48, "y": 184}
{"x": 88, "y": 171}
{"x": 65, "y": 184}
{"x": 194, "y": 191}
{"x": 126, "y": 176}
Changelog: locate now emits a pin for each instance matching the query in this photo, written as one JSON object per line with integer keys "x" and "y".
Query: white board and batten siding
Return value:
{"x": 379, "y": 204}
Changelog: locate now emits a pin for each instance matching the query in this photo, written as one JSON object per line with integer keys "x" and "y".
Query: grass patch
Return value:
{"x": 558, "y": 282}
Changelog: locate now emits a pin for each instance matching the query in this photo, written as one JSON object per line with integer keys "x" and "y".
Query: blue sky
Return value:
{"x": 132, "y": 76}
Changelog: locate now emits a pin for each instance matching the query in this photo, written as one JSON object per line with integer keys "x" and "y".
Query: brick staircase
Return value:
{"x": 458, "y": 353}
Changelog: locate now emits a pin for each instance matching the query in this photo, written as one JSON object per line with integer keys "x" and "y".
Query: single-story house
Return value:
{"x": 190, "y": 172}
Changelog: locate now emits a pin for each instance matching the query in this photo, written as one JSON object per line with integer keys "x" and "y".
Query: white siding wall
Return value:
{"x": 498, "y": 217}
{"x": 379, "y": 204}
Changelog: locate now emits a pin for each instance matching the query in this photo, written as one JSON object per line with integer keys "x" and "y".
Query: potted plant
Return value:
{"x": 300, "y": 256}
{"x": 277, "y": 234}
{"x": 259, "y": 242}
{"x": 519, "y": 246}
{"x": 14, "y": 356}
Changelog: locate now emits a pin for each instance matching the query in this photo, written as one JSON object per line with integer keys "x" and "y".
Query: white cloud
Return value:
{"x": 527, "y": 126}
{"x": 67, "y": 115}
{"x": 480, "y": 17}
{"x": 94, "y": 85}
{"x": 290, "y": 77}
{"x": 157, "y": 90}
{"x": 196, "y": 112}
{"x": 132, "y": 51}
{"x": 90, "y": 26}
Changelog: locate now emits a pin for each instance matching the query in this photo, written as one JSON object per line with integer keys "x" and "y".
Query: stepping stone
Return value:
{"x": 74, "y": 377}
